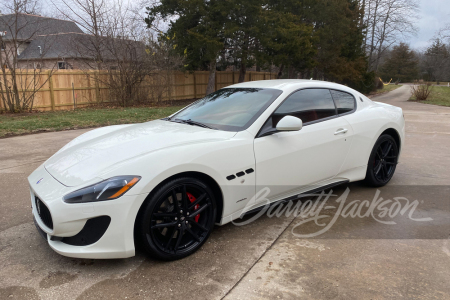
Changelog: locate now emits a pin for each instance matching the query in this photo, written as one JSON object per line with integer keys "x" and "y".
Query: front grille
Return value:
{"x": 44, "y": 213}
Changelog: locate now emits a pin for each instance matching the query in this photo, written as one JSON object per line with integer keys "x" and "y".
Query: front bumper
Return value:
{"x": 73, "y": 222}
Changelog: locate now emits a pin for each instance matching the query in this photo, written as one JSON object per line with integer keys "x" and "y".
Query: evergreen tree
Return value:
{"x": 243, "y": 33}
{"x": 198, "y": 31}
{"x": 322, "y": 39}
{"x": 437, "y": 61}
{"x": 288, "y": 40}
{"x": 402, "y": 65}
{"x": 340, "y": 55}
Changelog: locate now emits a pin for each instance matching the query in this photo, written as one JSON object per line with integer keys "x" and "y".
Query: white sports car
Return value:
{"x": 165, "y": 183}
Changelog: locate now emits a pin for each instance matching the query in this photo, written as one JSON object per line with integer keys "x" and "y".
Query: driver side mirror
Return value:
{"x": 289, "y": 123}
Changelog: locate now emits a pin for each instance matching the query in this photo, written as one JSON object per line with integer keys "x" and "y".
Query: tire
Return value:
{"x": 382, "y": 161}
{"x": 170, "y": 230}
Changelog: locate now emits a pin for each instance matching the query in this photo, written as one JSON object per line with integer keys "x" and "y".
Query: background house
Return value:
{"x": 76, "y": 51}
{"x": 47, "y": 43}
{"x": 40, "y": 42}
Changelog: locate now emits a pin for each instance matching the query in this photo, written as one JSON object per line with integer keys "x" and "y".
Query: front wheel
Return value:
{"x": 382, "y": 161}
{"x": 178, "y": 218}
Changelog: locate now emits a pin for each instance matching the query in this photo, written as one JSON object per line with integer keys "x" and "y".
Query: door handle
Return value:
{"x": 341, "y": 131}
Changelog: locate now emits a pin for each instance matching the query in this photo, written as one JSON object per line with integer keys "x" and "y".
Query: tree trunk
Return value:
{"x": 212, "y": 78}
{"x": 363, "y": 10}
{"x": 243, "y": 68}
{"x": 280, "y": 72}
{"x": 308, "y": 74}
{"x": 314, "y": 74}
{"x": 374, "y": 24}
{"x": 6, "y": 101}
{"x": 381, "y": 40}
{"x": 242, "y": 72}
{"x": 291, "y": 72}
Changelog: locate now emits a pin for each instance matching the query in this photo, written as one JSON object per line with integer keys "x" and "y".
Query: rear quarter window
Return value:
{"x": 345, "y": 102}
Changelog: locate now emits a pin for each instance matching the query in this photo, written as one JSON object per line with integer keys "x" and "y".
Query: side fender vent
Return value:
{"x": 240, "y": 174}
{"x": 231, "y": 177}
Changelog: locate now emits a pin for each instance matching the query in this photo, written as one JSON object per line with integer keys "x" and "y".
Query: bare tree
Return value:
{"x": 117, "y": 45}
{"x": 91, "y": 16}
{"x": 33, "y": 7}
{"x": 20, "y": 80}
{"x": 386, "y": 21}
{"x": 444, "y": 33}
{"x": 162, "y": 62}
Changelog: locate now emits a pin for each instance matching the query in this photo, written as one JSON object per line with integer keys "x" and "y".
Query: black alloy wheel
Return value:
{"x": 382, "y": 162}
{"x": 178, "y": 219}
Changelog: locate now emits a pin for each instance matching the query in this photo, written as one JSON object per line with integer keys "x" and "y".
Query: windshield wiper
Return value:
{"x": 195, "y": 123}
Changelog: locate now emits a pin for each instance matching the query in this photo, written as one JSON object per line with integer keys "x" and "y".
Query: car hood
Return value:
{"x": 90, "y": 155}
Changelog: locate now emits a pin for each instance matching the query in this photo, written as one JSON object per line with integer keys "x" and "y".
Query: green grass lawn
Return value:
{"x": 440, "y": 95}
{"x": 12, "y": 124}
{"x": 385, "y": 89}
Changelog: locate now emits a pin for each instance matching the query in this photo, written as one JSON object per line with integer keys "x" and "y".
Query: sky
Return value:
{"x": 434, "y": 14}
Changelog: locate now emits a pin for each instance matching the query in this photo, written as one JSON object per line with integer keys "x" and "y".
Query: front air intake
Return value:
{"x": 44, "y": 213}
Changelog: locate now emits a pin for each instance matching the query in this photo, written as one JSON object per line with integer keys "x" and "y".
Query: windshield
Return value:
{"x": 230, "y": 109}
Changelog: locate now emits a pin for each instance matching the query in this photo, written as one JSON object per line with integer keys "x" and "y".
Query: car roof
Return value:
{"x": 289, "y": 84}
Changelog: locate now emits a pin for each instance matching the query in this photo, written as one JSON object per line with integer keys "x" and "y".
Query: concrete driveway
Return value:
{"x": 356, "y": 259}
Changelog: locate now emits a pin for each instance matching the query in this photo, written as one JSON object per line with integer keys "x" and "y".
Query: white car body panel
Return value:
{"x": 281, "y": 163}
{"x": 87, "y": 159}
{"x": 287, "y": 162}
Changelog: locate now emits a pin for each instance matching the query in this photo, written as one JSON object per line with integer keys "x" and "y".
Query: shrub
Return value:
{"x": 421, "y": 91}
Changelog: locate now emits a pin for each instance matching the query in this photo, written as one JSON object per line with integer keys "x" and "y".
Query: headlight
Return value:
{"x": 109, "y": 189}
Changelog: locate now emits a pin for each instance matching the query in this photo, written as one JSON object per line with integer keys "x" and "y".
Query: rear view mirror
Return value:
{"x": 289, "y": 123}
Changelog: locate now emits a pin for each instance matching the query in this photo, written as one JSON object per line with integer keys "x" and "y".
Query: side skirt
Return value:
{"x": 294, "y": 197}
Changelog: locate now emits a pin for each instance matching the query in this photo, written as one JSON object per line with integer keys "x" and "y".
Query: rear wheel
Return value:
{"x": 178, "y": 219}
{"x": 382, "y": 161}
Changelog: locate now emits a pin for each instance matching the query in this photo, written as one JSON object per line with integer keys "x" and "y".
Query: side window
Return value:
{"x": 308, "y": 105}
{"x": 345, "y": 102}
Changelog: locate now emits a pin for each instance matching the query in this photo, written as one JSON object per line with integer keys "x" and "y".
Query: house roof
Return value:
{"x": 31, "y": 26}
{"x": 80, "y": 45}
{"x": 52, "y": 46}
{"x": 49, "y": 38}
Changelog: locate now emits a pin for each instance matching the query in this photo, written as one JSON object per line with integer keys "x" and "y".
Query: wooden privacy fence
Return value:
{"x": 66, "y": 89}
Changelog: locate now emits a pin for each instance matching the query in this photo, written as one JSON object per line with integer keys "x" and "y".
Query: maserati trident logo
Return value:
{"x": 39, "y": 181}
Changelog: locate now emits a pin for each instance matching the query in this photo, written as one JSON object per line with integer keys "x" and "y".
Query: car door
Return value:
{"x": 289, "y": 163}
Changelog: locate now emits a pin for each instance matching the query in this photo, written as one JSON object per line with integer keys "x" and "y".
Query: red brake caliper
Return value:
{"x": 192, "y": 199}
